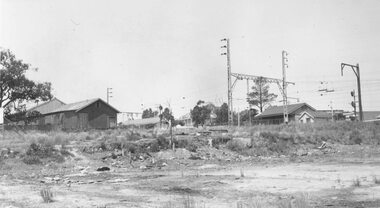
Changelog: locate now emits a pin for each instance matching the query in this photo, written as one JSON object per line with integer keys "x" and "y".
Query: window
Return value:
{"x": 98, "y": 104}
{"x": 308, "y": 120}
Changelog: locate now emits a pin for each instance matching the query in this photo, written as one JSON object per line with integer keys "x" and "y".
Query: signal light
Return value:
{"x": 352, "y": 93}
{"x": 353, "y": 104}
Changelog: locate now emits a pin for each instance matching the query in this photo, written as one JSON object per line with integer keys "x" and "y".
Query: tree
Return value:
{"x": 260, "y": 96}
{"x": 15, "y": 87}
{"x": 167, "y": 115}
{"x": 149, "y": 113}
{"x": 222, "y": 114}
{"x": 248, "y": 114}
{"x": 26, "y": 116}
{"x": 200, "y": 113}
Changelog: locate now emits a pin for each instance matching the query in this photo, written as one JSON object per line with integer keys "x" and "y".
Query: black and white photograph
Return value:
{"x": 189, "y": 103}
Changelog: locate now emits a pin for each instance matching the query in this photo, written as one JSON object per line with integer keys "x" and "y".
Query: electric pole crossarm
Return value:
{"x": 233, "y": 84}
{"x": 251, "y": 77}
{"x": 352, "y": 67}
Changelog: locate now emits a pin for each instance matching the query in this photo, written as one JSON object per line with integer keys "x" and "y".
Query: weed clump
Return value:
{"x": 301, "y": 201}
{"x": 376, "y": 180}
{"x": 356, "y": 182}
{"x": 37, "y": 152}
{"x": 47, "y": 195}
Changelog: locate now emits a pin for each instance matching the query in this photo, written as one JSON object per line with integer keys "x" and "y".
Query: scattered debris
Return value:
{"x": 323, "y": 145}
{"x": 103, "y": 169}
{"x": 195, "y": 157}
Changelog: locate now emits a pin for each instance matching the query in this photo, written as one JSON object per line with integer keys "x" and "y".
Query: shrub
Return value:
{"x": 355, "y": 137}
{"x": 236, "y": 145}
{"x": 103, "y": 146}
{"x": 220, "y": 140}
{"x": 31, "y": 160}
{"x": 162, "y": 142}
{"x": 40, "y": 150}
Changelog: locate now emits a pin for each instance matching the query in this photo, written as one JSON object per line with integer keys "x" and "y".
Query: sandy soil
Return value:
{"x": 327, "y": 182}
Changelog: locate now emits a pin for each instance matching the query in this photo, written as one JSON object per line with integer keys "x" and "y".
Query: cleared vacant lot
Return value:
{"x": 266, "y": 166}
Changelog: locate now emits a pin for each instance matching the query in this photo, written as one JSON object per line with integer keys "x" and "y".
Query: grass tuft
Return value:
{"x": 301, "y": 201}
{"x": 47, "y": 195}
{"x": 376, "y": 180}
{"x": 242, "y": 173}
{"x": 356, "y": 182}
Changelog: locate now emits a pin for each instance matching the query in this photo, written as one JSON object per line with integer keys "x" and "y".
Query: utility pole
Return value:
{"x": 356, "y": 71}
{"x": 228, "y": 54}
{"x": 284, "y": 86}
{"x": 353, "y": 103}
{"x": 109, "y": 94}
{"x": 250, "y": 106}
{"x": 332, "y": 111}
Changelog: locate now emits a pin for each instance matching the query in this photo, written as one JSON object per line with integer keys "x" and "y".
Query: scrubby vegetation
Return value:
{"x": 258, "y": 140}
{"x": 286, "y": 139}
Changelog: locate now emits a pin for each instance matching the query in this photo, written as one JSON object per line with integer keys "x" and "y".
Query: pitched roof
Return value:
{"x": 321, "y": 114}
{"x": 47, "y": 106}
{"x": 279, "y": 110}
{"x": 78, "y": 106}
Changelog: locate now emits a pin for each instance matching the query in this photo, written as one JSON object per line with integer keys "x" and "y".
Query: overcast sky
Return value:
{"x": 159, "y": 52}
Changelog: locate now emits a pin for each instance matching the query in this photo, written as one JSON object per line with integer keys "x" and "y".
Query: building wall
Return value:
{"x": 306, "y": 118}
{"x": 63, "y": 120}
{"x": 100, "y": 115}
{"x": 298, "y": 113}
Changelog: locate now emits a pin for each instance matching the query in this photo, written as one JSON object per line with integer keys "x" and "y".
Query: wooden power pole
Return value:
{"x": 356, "y": 71}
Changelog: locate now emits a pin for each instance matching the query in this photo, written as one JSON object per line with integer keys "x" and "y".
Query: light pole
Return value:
{"x": 109, "y": 93}
{"x": 229, "y": 91}
{"x": 356, "y": 71}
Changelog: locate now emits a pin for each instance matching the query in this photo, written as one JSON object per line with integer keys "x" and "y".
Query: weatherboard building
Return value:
{"x": 87, "y": 114}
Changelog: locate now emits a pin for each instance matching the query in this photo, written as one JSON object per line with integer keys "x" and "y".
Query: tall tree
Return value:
{"x": 167, "y": 115}
{"x": 260, "y": 96}
{"x": 222, "y": 114}
{"x": 15, "y": 87}
{"x": 200, "y": 113}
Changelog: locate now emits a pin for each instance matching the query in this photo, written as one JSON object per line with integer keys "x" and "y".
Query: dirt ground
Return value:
{"x": 346, "y": 177}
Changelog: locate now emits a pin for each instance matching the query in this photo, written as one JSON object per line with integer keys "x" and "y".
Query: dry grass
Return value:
{"x": 300, "y": 201}
{"x": 184, "y": 202}
{"x": 255, "y": 202}
{"x": 268, "y": 140}
{"x": 343, "y": 132}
